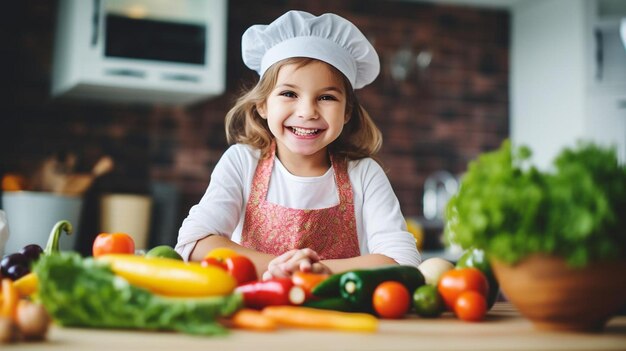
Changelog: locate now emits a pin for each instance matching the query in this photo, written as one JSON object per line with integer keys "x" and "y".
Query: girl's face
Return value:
{"x": 305, "y": 112}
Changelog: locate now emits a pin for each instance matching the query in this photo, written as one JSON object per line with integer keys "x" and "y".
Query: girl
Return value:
{"x": 299, "y": 189}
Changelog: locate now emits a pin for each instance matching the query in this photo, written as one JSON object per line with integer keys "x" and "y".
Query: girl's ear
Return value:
{"x": 260, "y": 109}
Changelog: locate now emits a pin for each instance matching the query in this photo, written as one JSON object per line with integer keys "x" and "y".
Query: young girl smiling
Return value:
{"x": 299, "y": 189}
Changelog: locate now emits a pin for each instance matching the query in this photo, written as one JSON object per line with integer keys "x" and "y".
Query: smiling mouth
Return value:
{"x": 304, "y": 131}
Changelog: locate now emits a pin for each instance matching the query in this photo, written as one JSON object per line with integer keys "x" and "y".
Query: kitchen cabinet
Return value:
{"x": 568, "y": 75}
{"x": 503, "y": 329}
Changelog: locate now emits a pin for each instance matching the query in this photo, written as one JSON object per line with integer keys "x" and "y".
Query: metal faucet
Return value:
{"x": 438, "y": 188}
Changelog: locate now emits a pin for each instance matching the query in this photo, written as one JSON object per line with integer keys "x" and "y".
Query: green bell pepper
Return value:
{"x": 358, "y": 286}
{"x": 329, "y": 287}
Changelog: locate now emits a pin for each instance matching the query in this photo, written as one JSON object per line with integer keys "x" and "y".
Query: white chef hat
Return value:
{"x": 329, "y": 38}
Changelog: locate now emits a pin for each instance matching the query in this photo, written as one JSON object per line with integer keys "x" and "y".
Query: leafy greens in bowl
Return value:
{"x": 511, "y": 209}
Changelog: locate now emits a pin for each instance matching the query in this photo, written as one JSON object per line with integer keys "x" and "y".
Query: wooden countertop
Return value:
{"x": 504, "y": 329}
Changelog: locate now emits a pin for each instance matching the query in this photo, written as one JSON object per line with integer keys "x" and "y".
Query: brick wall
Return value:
{"x": 438, "y": 117}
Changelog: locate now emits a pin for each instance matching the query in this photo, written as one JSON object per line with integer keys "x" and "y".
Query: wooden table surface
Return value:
{"x": 504, "y": 329}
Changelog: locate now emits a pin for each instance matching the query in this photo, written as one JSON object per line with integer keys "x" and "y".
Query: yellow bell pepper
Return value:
{"x": 170, "y": 277}
{"x": 26, "y": 285}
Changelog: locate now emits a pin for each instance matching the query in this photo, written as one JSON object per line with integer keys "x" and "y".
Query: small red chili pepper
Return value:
{"x": 272, "y": 292}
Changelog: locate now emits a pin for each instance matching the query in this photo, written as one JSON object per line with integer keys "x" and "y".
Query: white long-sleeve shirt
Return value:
{"x": 381, "y": 227}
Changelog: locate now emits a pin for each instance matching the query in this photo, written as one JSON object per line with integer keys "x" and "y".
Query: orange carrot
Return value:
{"x": 305, "y": 317}
{"x": 10, "y": 297}
{"x": 252, "y": 320}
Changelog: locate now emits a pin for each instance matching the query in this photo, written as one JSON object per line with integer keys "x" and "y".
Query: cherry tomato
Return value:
{"x": 241, "y": 268}
{"x": 106, "y": 243}
{"x": 471, "y": 306}
{"x": 391, "y": 300}
{"x": 457, "y": 281}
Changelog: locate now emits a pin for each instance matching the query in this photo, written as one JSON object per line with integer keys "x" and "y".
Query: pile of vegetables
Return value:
{"x": 117, "y": 288}
{"x": 21, "y": 318}
{"x": 383, "y": 291}
{"x": 86, "y": 292}
{"x": 510, "y": 209}
{"x": 468, "y": 289}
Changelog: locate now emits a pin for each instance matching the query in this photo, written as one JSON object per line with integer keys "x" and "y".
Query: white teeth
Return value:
{"x": 301, "y": 131}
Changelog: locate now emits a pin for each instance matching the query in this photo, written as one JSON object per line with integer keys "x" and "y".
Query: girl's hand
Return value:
{"x": 305, "y": 260}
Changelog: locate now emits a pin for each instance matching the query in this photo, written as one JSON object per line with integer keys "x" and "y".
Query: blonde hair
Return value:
{"x": 360, "y": 137}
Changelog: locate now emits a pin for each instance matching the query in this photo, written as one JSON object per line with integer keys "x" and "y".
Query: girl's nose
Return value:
{"x": 307, "y": 110}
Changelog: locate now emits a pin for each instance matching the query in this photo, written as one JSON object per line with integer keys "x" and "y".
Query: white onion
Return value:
{"x": 433, "y": 268}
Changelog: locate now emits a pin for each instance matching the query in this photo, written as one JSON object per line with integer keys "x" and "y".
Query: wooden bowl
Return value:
{"x": 555, "y": 296}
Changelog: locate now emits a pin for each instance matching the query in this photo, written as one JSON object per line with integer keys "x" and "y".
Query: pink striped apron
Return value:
{"x": 274, "y": 229}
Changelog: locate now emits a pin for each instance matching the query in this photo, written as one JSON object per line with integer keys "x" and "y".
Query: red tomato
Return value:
{"x": 471, "y": 306}
{"x": 241, "y": 268}
{"x": 391, "y": 300}
{"x": 456, "y": 281}
{"x": 212, "y": 261}
{"x": 106, "y": 243}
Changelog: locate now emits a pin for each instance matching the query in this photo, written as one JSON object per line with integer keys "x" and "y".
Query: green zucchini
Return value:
{"x": 358, "y": 286}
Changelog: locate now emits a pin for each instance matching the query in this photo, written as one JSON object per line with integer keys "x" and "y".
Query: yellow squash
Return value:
{"x": 171, "y": 277}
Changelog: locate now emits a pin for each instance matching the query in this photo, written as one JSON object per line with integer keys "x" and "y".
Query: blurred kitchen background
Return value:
{"x": 457, "y": 78}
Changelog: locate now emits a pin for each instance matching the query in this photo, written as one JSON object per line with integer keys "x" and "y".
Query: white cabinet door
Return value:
{"x": 606, "y": 122}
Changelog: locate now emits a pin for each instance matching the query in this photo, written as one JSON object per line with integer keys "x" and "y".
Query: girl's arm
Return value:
{"x": 220, "y": 209}
{"x": 380, "y": 217}
{"x": 204, "y": 246}
{"x": 359, "y": 262}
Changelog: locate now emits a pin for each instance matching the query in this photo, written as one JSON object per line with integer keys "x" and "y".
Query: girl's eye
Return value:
{"x": 289, "y": 94}
{"x": 328, "y": 97}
